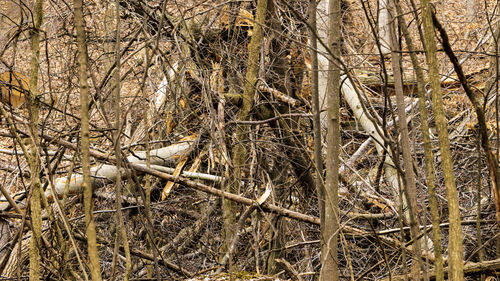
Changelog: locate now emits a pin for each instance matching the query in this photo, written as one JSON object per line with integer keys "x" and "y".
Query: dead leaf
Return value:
{"x": 13, "y": 86}
{"x": 176, "y": 173}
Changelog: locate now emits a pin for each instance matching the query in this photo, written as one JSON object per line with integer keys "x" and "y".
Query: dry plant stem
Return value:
{"x": 56, "y": 224}
{"x": 370, "y": 124}
{"x": 410, "y": 189}
{"x": 318, "y": 159}
{"x": 478, "y": 202}
{"x": 492, "y": 160}
{"x": 13, "y": 243}
{"x": 190, "y": 233}
{"x": 470, "y": 269}
{"x": 239, "y": 154}
{"x": 229, "y": 196}
{"x": 347, "y": 254}
{"x": 404, "y": 257}
{"x": 11, "y": 264}
{"x": 59, "y": 208}
{"x": 279, "y": 95}
{"x": 294, "y": 275}
{"x": 121, "y": 233}
{"x": 147, "y": 146}
{"x": 455, "y": 240}
{"x": 384, "y": 254}
{"x": 116, "y": 249}
{"x": 4, "y": 263}
{"x": 496, "y": 67}
{"x": 428, "y": 155}
{"x": 236, "y": 198}
{"x": 329, "y": 256}
{"x": 256, "y": 238}
{"x": 234, "y": 241}
{"x": 68, "y": 179}
{"x": 95, "y": 270}
{"x": 116, "y": 137}
{"x": 132, "y": 177}
{"x": 34, "y": 157}
{"x": 11, "y": 261}
{"x": 141, "y": 254}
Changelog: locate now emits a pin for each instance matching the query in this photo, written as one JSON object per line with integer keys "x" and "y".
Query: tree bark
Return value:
{"x": 318, "y": 158}
{"x": 280, "y": 80}
{"x": 383, "y": 27}
{"x": 34, "y": 157}
{"x": 95, "y": 270}
{"x": 492, "y": 160}
{"x": 239, "y": 153}
{"x": 352, "y": 98}
{"x": 428, "y": 155}
{"x": 455, "y": 236}
{"x": 121, "y": 233}
{"x": 329, "y": 255}
{"x": 410, "y": 189}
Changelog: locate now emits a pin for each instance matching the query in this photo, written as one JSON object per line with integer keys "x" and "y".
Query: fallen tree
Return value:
{"x": 262, "y": 206}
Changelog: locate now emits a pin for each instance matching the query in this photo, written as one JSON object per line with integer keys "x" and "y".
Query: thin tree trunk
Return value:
{"x": 280, "y": 80}
{"x": 410, "y": 187}
{"x": 492, "y": 160}
{"x": 95, "y": 270}
{"x": 239, "y": 153}
{"x": 322, "y": 32}
{"x": 147, "y": 137}
{"x": 329, "y": 256}
{"x": 428, "y": 155}
{"x": 318, "y": 161}
{"x": 277, "y": 242}
{"x": 383, "y": 27}
{"x": 494, "y": 71}
{"x": 34, "y": 157}
{"x": 478, "y": 210}
{"x": 455, "y": 236}
{"x": 364, "y": 117}
{"x": 120, "y": 228}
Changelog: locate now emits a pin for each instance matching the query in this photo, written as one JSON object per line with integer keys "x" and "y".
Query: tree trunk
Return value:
{"x": 383, "y": 27}
{"x": 492, "y": 159}
{"x": 239, "y": 152}
{"x": 428, "y": 155}
{"x": 353, "y": 100}
{"x": 120, "y": 229}
{"x": 95, "y": 270}
{"x": 455, "y": 236}
{"x": 410, "y": 189}
{"x": 279, "y": 80}
{"x": 318, "y": 159}
{"x": 329, "y": 256}
{"x": 34, "y": 157}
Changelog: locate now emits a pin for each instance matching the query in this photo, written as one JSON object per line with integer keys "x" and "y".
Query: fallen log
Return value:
{"x": 159, "y": 157}
{"x": 141, "y": 167}
{"x": 233, "y": 197}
